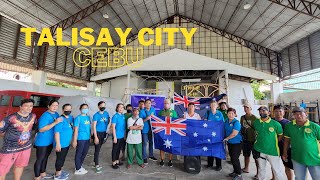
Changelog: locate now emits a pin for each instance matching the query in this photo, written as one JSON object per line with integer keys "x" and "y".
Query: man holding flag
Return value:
{"x": 167, "y": 112}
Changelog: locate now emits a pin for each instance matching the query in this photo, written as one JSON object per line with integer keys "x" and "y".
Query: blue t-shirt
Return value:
{"x": 146, "y": 125}
{"x": 229, "y": 127}
{"x": 84, "y": 126}
{"x": 102, "y": 121}
{"x": 119, "y": 121}
{"x": 214, "y": 117}
{"x": 45, "y": 138}
{"x": 65, "y": 129}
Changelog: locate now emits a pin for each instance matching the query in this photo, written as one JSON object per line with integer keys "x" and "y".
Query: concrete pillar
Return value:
{"x": 276, "y": 90}
{"x": 105, "y": 89}
{"x": 39, "y": 79}
{"x": 91, "y": 88}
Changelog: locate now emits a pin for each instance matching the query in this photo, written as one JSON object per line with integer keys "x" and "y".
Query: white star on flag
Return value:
{"x": 195, "y": 134}
{"x": 207, "y": 107}
{"x": 209, "y": 140}
{"x": 205, "y": 148}
{"x": 167, "y": 143}
{"x": 214, "y": 134}
{"x": 205, "y": 125}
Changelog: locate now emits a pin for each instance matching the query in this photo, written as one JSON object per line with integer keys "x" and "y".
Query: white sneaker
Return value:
{"x": 80, "y": 172}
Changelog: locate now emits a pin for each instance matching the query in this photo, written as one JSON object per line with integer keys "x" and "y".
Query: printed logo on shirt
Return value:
{"x": 271, "y": 129}
{"x": 171, "y": 114}
{"x": 103, "y": 119}
{"x": 87, "y": 122}
{"x": 307, "y": 130}
{"x": 217, "y": 117}
{"x": 231, "y": 125}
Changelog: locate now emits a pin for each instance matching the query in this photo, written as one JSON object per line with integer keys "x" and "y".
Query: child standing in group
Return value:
{"x": 81, "y": 138}
{"x": 134, "y": 140}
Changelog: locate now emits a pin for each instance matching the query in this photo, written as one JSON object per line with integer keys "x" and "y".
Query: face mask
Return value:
{"x": 263, "y": 115}
{"x": 102, "y": 108}
{"x": 129, "y": 111}
{"x": 84, "y": 111}
{"x": 67, "y": 113}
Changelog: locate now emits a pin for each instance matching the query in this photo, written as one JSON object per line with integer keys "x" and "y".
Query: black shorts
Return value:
{"x": 247, "y": 147}
{"x": 287, "y": 164}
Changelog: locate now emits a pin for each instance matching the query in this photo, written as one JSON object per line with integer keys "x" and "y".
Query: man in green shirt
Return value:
{"x": 127, "y": 115}
{"x": 269, "y": 132}
{"x": 223, "y": 107}
{"x": 303, "y": 136}
{"x": 172, "y": 113}
{"x": 248, "y": 136}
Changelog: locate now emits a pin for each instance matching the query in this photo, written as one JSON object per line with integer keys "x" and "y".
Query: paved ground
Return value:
{"x": 152, "y": 172}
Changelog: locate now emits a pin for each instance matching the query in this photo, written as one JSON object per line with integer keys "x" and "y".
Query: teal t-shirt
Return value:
{"x": 119, "y": 121}
{"x": 84, "y": 125}
{"x": 102, "y": 121}
{"x": 45, "y": 138}
{"x": 65, "y": 129}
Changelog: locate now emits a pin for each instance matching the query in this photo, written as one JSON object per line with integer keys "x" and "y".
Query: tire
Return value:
{"x": 192, "y": 164}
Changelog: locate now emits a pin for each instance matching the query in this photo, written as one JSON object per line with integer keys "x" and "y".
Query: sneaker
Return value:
{"x": 61, "y": 177}
{"x": 115, "y": 166}
{"x": 209, "y": 166}
{"x": 65, "y": 173}
{"x": 232, "y": 174}
{"x": 145, "y": 161}
{"x": 237, "y": 177}
{"x": 153, "y": 159}
{"x": 98, "y": 169}
{"x": 161, "y": 163}
{"x": 48, "y": 176}
{"x": 218, "y": 168}
{"x": 120, "y": 163}
{"x": 81, "y": 171}
{"x": 170, "y": 163}
{"x": 142, "y": 166}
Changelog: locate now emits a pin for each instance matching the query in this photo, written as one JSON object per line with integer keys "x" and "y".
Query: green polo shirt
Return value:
{"x": 304, "y": 140}
{"x": 225, "y": 115}
{"x": 267, "y": 136}
{"x": 168, "y": 112}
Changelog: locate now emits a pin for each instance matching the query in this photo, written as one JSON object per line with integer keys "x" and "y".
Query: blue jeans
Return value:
{"x": 300, "y": 171}
{"x": 147, "y": 138}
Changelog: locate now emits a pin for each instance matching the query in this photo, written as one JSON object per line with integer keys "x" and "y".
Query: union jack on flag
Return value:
{"x": 178, "y": 100}
{"x": 167, "y": 125}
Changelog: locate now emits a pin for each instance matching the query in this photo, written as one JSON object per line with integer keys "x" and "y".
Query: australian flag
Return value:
{"x": 188, "y": 137}
{"x": 202, "y": 104}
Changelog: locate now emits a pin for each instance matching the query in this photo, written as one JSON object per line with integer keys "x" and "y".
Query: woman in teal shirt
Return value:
{"x": 44, "y": 139}
{"x": 118, "y": 131}
{"x": 234, "y": 140}
{"x": 81, "y": 138}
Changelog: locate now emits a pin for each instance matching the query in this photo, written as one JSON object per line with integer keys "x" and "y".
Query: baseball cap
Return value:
{"x": 247, "y": 105}
{"x": 298, "y": 109}
{"x": 264, "y": 108}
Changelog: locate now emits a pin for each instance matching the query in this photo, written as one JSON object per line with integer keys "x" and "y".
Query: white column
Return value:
{"x": 105, "y": 89}
{"x": 276, "y": 90}
{"x": 39, "y": 79}
{"x": 91, "y": 88}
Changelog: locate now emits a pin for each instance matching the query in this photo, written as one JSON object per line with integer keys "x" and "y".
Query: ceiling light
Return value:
{"x": 247, "y": 6}
{"x": 106, "y": 16}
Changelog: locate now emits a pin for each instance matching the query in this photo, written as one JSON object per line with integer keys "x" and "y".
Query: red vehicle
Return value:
{"x": 10, "y": 101}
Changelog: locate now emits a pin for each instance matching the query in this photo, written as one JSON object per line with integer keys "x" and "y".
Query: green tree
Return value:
{"x": 258, "y": 95}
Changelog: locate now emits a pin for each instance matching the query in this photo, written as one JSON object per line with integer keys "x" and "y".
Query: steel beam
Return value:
{"x": 82, "y": 14}
{"x": 301, "y": 6}
{"x": 16, "y": 45}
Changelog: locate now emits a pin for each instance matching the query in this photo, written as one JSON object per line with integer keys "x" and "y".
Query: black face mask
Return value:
{"x": 102, "y": 108}
{"x": 263, "y": 115}
{"x": 129, "y": 111}
{"x": 67, "y": 113}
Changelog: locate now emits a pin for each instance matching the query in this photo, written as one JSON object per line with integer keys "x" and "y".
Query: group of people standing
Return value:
{"x": 262, "y": 137}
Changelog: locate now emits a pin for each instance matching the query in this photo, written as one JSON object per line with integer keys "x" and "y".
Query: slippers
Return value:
{"x": 244, "y": 171}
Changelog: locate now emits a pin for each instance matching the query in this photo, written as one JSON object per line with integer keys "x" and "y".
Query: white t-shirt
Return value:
{"x": 134, "y": 136}
{"x": 196, "y": 116}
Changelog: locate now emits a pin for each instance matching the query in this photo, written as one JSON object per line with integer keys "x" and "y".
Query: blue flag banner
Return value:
{"x": 188, "y": 137}
{"x": 156, "y": 100}
{"x": 202, "y": 104}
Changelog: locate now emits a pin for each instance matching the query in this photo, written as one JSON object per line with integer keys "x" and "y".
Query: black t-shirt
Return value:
{"x": 17, "y": 131}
